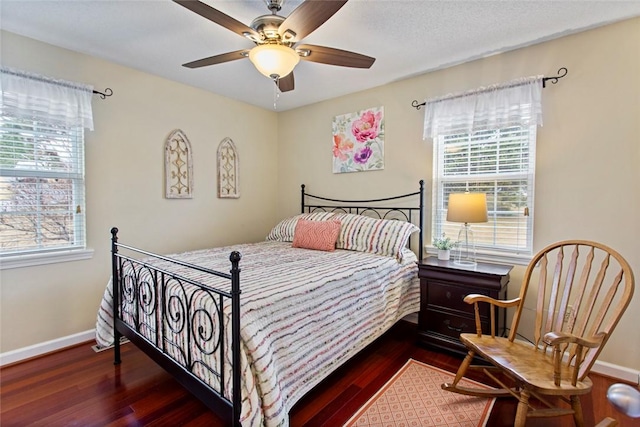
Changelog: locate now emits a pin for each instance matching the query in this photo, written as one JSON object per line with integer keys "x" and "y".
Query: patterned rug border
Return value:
{"x": 485, "y": 414}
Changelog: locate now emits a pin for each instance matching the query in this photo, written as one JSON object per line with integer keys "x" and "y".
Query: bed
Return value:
{"x": 251, "y": 345}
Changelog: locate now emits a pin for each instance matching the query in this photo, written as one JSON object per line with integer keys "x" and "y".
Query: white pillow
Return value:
{"x": 285, "y": 229}
{"x": 379, "y": 236}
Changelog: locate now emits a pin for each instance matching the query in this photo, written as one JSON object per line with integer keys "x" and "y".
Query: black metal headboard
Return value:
{"x": 311, "y": 203}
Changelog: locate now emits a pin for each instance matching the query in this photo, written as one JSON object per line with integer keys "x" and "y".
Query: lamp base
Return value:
{"x": 466, "y": 252}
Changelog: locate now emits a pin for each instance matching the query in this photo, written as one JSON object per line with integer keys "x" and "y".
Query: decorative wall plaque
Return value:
{"x": 228, "y": 165}
{"x": 178, "y": 166}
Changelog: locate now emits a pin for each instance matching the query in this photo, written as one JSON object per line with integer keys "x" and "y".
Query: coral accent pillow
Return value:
{"x": 283, "y": 231}
{"x": 317, "y": 235}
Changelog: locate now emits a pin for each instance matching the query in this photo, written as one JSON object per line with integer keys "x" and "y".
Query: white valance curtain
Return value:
{"x": 515, "y": 103}
{"x": 63, "y": 101}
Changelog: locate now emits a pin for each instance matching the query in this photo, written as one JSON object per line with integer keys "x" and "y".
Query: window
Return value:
{"x": 41, "y": 185}
{"x": 499, "y": 163}
{"x": 483, "y": 144}
{"x": 42, "y": 203}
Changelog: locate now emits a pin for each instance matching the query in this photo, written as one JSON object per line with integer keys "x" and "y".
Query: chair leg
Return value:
{"x": 463, "y": 367}
{"x": 577, "y": 411}
{"x": 523, "y": 408}
{"x": 471, "y": 391}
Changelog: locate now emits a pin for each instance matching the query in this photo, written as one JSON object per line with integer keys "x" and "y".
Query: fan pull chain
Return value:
{"x": 276, "y": 92}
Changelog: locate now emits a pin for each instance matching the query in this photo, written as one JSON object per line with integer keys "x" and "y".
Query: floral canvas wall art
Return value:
{"x": 358, "y": 141}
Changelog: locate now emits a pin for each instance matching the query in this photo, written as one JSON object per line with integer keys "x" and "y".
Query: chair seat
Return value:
{"x": 525, "y": 364}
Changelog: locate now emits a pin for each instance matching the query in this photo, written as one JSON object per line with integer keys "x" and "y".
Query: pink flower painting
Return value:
{"x": 358, "y": 141}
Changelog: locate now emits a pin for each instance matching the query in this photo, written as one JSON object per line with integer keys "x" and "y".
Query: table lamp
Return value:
{"x": 467, "y": 208}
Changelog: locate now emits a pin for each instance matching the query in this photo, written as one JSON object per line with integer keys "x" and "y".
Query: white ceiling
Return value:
{"x": 408, "y": 37}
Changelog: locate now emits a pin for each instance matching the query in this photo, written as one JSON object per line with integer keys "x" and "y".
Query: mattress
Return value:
{"x": 303, "y": 314}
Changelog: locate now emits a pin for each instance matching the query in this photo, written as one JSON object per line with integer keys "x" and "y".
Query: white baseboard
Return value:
{"x": 617, "y": 371}
{"x": 413, "y": 318}
{"x": 603, "y": 368}
{"x": 45, "y": 347}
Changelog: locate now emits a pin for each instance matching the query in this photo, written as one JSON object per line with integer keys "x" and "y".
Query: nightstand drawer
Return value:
{"x": 448, "y": 325}
{"x": 452, "y": 298}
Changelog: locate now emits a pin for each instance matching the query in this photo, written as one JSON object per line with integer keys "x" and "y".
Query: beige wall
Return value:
{"x": 124, "y": 185}
{"x": 588, "y": 151}
{"x": 586, "y": 184}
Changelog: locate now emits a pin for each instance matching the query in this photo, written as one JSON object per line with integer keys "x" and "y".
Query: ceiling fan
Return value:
{"x": 276, "y": 52}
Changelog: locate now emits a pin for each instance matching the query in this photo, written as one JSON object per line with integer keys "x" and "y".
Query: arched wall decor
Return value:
{"x": 178, "y": 166}
{"x": 228, "y": 165}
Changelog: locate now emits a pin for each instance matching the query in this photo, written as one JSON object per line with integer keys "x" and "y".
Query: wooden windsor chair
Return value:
{"x": 572, "y": 296}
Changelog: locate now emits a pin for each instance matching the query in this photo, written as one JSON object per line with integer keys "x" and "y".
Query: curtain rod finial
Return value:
{"x": 561, "y": 73}
{"x": 417, "y": 106}
{"x": 107, "y": 92}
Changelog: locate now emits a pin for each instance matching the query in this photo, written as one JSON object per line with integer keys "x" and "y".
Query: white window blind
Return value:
{"x": 496, "y": 162}
{"x": 484, "y": 141}
{"x": 42, "y": 191}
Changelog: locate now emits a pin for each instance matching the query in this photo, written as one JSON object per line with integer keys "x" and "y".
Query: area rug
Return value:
{"x": 413, "y": 398}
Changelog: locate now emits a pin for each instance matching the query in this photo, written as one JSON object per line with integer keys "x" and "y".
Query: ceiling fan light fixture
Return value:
{"x": 274, "y": 60}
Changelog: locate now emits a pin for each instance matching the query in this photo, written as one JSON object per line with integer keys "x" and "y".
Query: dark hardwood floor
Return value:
{"x": 78, "y": 387}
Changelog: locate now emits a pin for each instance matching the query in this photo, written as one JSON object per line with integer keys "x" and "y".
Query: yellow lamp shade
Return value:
{"x": 467, "y": 207}
{"x": 274, "y": 60}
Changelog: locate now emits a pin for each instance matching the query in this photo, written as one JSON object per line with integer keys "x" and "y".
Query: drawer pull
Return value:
{"x": 448, "y": 295}
{"x": 460, "y": 329}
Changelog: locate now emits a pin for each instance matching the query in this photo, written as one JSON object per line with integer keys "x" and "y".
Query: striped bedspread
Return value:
{"x": 303, "y": 314}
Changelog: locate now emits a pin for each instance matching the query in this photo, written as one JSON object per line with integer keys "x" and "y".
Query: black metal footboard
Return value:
{"x": 181, "y": 323}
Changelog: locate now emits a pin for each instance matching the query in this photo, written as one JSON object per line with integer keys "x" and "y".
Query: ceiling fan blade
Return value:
{"x": 218, "y": 17}
{"x": 286, "y": 83}
{"x": 331, "y": 56}
{"x": 307, "y": 17}
{"x": 218, "y": 59}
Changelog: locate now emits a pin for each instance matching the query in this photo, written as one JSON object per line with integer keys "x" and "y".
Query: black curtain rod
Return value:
{"x": 561, "y": 73}
{"x": 103, "y": 95}
{"x": 107, "y": 92}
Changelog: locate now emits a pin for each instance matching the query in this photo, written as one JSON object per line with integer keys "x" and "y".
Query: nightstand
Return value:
{"x": 443, "y": 313}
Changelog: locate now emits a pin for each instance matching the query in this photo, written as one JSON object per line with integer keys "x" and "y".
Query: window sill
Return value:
{"x": 514, "y": 259}
{"x": 495, "y": 257}
{"x": 19, "y": 261}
